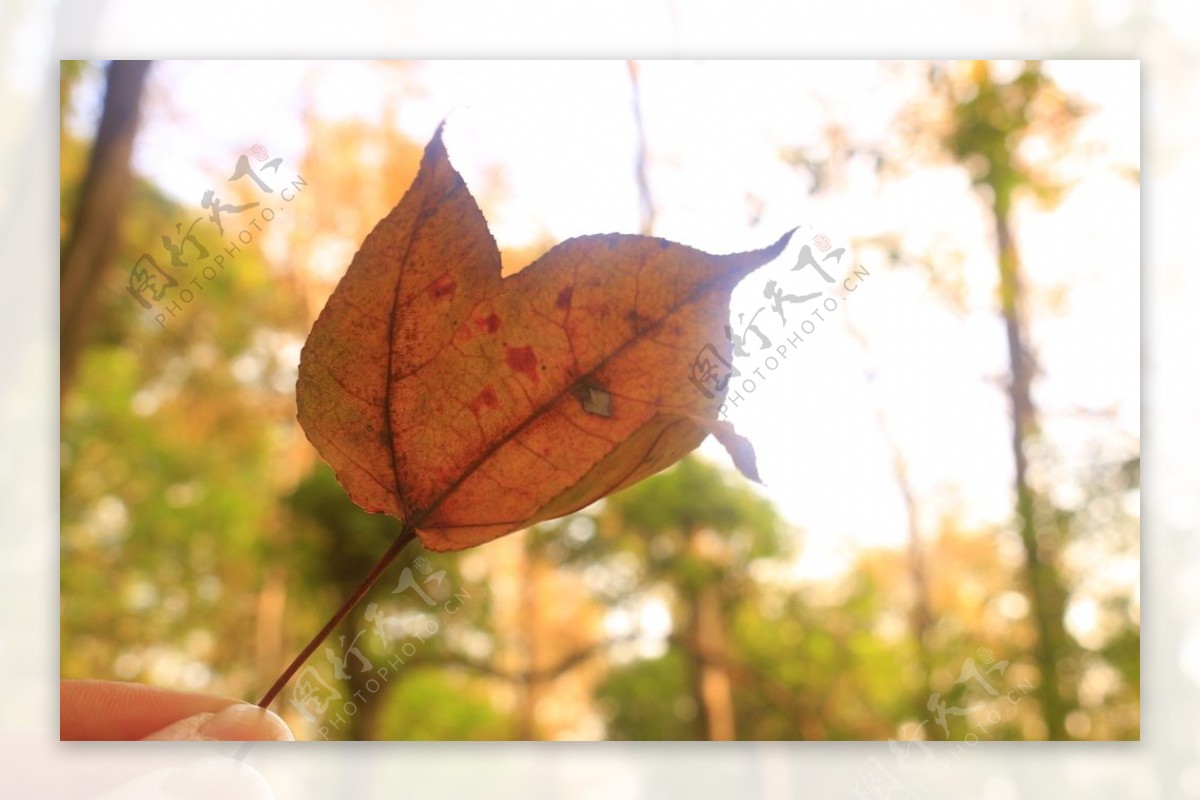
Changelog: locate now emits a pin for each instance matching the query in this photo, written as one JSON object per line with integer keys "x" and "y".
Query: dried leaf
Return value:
{"x": 469, "y": 405}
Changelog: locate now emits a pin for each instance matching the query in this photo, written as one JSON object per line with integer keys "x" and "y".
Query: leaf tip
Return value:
{"x": 737, "y": 446}
{"x": 781, "y": 243}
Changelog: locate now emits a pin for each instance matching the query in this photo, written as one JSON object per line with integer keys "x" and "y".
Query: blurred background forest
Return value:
{"x": 978, "y": 428}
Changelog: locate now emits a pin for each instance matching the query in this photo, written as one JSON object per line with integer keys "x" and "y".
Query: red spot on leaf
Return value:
{"x": 443, "y": 287}
{"x": 523, "y": 361}
{"x": 564, "y": 298}
{"x": 486, "y": 399}
{"x": 491, "y": 323}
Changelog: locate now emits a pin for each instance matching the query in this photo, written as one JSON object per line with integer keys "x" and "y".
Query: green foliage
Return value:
{"x": 428, "y": 704}
{"x": 650, "y": 700}
{"x": 659, "y": 518}
{"x": 169, "y": 469}
{"x": 333, "y": 537}
{"x": 991, "y": 119}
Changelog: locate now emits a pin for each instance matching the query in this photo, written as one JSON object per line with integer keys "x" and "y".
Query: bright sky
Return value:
{"x": 563, "y": 134}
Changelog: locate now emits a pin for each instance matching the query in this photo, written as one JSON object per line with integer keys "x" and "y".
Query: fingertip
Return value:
{"x": 234, "y": 722}
{"x": 246, "y": 722}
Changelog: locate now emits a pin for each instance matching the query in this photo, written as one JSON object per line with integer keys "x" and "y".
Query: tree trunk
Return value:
{"x": 102, "y": 201}
{"x": 528, "y": 686}
{"x": 645, "y": 199}
{"x": 920, "y": 617}
{"x": 270, "y": 609}
{"x": 363, "y": 725}
{"x": 713, "y": 688}
{"x": 1042, "y": 582}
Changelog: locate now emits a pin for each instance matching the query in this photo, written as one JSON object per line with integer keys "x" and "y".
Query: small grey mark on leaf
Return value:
{"x": 595, "y": 400}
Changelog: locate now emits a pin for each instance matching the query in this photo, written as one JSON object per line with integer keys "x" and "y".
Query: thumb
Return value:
{"x": 234, "y": 722}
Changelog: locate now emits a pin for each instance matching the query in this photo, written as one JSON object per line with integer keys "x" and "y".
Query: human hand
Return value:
{"x": 113, "y": 710}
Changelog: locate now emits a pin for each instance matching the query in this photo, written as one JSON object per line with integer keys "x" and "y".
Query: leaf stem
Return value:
{"x": 406, "y": 536}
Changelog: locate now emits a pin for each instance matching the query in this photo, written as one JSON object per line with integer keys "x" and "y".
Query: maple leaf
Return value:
{"x": 468, "y": 405}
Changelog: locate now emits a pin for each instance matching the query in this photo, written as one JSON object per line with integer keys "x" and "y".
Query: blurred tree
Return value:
{"x": 989, "y": 121}
{"x": 169, "y": 447}
{"x": 1013, "y": 132}
{"x": 178, "y": 441}
{"x": 921, "y": 617}
{"x": 694, "y": 531}
{"x": 91, "y": 241}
